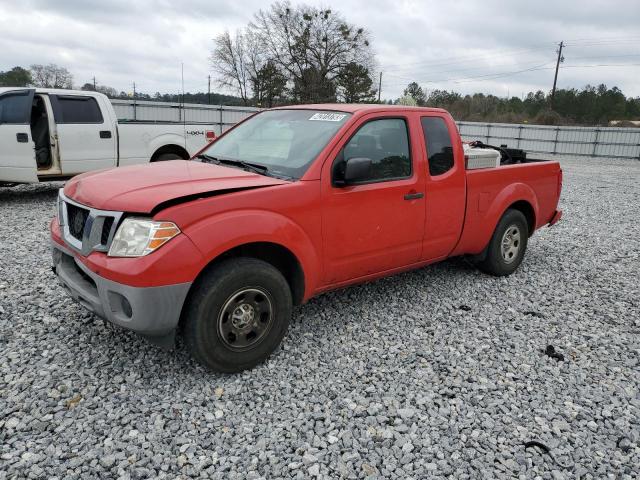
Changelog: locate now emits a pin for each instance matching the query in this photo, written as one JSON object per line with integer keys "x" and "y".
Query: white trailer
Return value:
{"x": 49, "y": 134}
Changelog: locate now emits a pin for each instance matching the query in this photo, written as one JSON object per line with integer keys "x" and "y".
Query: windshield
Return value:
{"x": 283, "y": 141}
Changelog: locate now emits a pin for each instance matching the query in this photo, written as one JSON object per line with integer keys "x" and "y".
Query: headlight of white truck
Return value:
{"x": 137, "y": 237}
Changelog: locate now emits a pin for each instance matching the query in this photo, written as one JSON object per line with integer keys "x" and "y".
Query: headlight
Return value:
{"x": 137, "y": 237}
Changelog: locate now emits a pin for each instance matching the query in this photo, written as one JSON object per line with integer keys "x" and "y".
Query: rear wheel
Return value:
{"x": 237, "y": 315}
{"x": 507, "y": 246}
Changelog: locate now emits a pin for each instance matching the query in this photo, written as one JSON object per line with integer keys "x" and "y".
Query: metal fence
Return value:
{"x": 607, "y": 142}
{"x": 146, "y": 111}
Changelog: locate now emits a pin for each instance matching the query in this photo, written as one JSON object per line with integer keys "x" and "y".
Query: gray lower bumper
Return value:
{"x": 153, "y": 312}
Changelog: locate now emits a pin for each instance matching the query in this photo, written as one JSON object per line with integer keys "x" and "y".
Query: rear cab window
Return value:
{"x": 76, "y": 109}
{"x": 437, "y": 139}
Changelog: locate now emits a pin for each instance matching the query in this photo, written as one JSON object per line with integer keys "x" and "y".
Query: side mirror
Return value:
{"x": 357, "y": 169}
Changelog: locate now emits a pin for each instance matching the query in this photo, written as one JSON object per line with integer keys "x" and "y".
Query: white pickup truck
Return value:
{"x": 48, "y": 134}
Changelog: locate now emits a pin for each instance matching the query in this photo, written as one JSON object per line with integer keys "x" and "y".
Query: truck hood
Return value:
{"x": 141, "y": 188}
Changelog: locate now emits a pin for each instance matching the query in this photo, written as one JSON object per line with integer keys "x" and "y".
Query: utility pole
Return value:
{"x": 135, "y": 109}
{"x": 94, "y": 84}
{"x": 380, "y": 86}
{"x": 209, "y": 90}
{"x": 555, "y": 78}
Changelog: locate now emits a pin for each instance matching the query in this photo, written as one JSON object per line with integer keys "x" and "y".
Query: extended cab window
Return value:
{"x": 15, "y": 108}
{"x": 439, "y": 146}
{"x": 76, "y": 109}
{"x": 386, "y": 143}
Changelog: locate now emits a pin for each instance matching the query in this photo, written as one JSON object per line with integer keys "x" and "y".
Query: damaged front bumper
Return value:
{"x": 153, "y": 312}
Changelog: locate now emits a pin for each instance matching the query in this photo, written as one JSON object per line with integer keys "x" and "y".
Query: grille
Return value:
{"x": 77, "y": 218}
{"x": 106, "y": 230}
{"x": 86, "y": 229}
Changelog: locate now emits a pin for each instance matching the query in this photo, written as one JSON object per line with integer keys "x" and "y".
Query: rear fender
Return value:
{"x": 165, "y": 139}
{"x": 218, "y": 234}
{"x": 481, "y": 221}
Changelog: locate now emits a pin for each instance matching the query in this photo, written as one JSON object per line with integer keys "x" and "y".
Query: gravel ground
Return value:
{"x": 438, "y": 372}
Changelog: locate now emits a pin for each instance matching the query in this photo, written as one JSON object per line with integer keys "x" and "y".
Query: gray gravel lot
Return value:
{"x": 438, "y": 372}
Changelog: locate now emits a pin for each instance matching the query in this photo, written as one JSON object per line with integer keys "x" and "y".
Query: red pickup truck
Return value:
{"x": 288, "y": 204}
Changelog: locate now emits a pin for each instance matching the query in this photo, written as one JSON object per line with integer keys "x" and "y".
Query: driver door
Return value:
{"x": 17, "y": 154}
{"x": 378, "y": 223}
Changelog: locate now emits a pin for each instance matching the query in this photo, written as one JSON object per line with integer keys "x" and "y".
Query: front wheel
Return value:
{"x": 237, "y": 315}
{"x": 507, "y": 246}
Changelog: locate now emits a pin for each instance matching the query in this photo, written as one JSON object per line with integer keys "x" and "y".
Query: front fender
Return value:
{"x": 484, "y": 213}
{"x": 216, "y": 235}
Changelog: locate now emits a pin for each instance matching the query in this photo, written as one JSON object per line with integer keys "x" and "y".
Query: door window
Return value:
{"x": 76, "y": 109}
{"x": 15, "y": 108}
{"x": 439, "y": 146}
{"x": 386, "y": 143}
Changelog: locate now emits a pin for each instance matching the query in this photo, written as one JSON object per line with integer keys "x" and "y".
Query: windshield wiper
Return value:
{"x": 208, "y": 158}
{"x": 253, "y": 167}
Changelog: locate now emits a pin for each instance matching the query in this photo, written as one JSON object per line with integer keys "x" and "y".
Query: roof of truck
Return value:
{"x": 360, "y": 107}
{"x": 58, "y": 91}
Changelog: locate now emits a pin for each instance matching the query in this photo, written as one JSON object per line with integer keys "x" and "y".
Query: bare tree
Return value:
{"x": 51, "y": 76}
{"x": 230, "y": 60}
{"x": 305, "y": 48}
{"x": 302, "y": 39}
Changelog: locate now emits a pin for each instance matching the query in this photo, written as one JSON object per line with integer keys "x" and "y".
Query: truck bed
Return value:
{"x": 538, "y": 180}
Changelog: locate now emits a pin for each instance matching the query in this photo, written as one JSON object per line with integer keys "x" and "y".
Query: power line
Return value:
{"x": 481, "y": 68}
{"x": 484, "y": 78}
{"x": 497, "y": 75}
{"x": 583, "y": 42}
{"x": 466, "y": 58}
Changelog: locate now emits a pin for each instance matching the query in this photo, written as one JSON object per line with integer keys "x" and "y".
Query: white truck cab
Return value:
{"x": 50, "y": 134}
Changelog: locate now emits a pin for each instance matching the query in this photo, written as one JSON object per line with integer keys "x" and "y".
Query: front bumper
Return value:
{"x": 153, "y": 312}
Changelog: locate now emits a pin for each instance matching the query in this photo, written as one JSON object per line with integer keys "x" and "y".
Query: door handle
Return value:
{"x": 22, "y": 137}
{"x": 105, "y": 134}
{"x": 413, "y": 196}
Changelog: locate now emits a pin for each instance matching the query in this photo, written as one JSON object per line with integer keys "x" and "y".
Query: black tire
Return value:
{"x": 224, "y": 326}
{"x": 168, "y": 156}
{"x": 513, "y": 230}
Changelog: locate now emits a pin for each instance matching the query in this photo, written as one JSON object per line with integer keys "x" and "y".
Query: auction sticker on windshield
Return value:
{"x": 328, "y": 117}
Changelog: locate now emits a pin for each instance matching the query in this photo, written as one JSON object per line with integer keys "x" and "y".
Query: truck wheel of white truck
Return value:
{"x": 507, "y": 246}
{"x": 167, "y": 156}
{"x": 237, "y": 315}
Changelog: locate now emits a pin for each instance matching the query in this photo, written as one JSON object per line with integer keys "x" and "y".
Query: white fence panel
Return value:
{"x": 610, "y": 142}
{"x": 221, "y": 116}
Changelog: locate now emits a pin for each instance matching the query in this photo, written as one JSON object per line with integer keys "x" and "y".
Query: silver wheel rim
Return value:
{"x": 246, "y": 318}
{"x": 510, "y": 244}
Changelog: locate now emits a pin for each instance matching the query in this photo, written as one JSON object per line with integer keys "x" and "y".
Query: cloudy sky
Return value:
{"x": 491, "y": 46}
